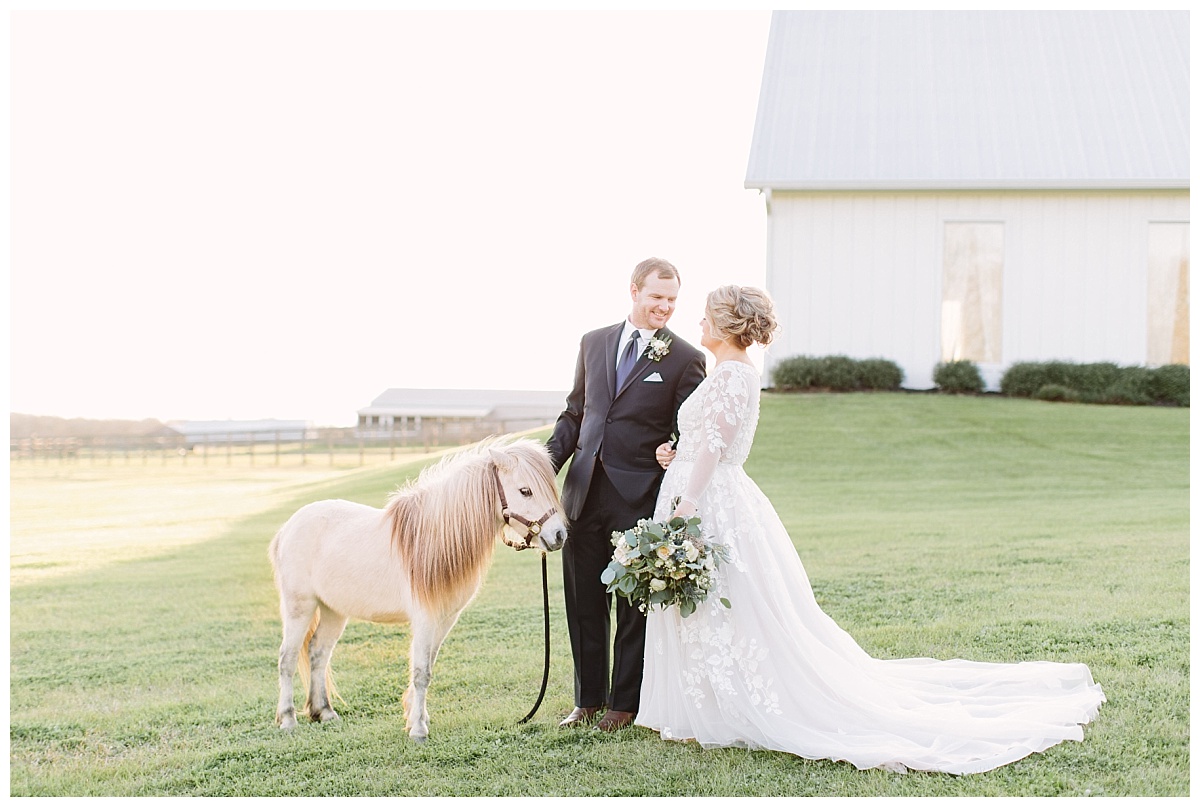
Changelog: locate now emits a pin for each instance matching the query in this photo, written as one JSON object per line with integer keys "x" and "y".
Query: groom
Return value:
{"x": 630, "y": 379}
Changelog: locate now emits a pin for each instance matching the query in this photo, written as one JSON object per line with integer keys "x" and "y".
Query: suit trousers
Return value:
{"x": 585, "y": 555}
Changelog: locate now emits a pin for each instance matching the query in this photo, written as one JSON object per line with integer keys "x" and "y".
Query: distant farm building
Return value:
{"x": 991, "y": 186}
{"x": 197, "y": 432}
{"x": 444, "y": 415}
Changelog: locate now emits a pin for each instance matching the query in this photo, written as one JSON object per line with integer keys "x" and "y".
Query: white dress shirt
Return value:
{"x": 625, "y": 337}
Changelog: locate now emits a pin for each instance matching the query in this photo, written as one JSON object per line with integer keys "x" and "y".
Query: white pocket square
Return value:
{"x": 653, "y": 377}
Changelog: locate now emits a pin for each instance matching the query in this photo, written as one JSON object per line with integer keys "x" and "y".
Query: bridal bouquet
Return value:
{"x": 663, "y": 563}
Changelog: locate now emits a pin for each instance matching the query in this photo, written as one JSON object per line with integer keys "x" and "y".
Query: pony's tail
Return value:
{"x": 305, "y": 668}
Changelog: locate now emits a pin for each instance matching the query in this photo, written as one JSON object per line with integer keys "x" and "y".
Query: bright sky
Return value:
{"x": 282, "y": 214}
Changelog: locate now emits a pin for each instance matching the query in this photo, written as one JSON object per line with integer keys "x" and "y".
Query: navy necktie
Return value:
{"x": 628, "y": 359}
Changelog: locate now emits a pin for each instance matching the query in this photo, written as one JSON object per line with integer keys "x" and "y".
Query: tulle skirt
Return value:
{"x": 775, "y": 672}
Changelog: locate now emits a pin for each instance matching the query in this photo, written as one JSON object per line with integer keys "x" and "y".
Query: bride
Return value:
{"x": 775, "y": 671}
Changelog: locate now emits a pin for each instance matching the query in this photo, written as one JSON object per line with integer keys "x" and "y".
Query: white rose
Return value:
{"x": 657, "y": 585}
{"x": 690, "y": 550}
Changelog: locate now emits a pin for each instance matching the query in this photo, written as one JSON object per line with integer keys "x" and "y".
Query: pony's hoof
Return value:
{"x": 420, "y": 740}
{"x": 286, "y": 722}
{"x": 326, "y": 716}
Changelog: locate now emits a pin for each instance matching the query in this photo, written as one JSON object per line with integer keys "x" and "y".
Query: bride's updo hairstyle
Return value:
{"x": 742, "y": 314}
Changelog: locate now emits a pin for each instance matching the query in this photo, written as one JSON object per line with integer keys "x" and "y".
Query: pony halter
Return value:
{"x": 532, "y": 528}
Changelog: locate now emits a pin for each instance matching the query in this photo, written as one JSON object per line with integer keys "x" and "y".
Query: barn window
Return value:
{"x": 1167, "y": 294}
{"x": 972, "y": 271}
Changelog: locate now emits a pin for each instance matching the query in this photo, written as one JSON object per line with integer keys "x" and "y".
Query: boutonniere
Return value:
{"x": 657, "y": 348}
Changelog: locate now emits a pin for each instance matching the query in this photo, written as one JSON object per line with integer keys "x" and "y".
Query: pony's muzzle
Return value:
{"x": 548, "y": 538}
{"x": 550, "y": 535}
{"x": 552, "y": 540}
{"x": 547, "y": 533}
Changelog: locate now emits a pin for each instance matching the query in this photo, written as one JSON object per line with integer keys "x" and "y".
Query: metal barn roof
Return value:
{"x": 461, "y": 403}
{"x": 940, "y": 99}
{"x": 199, "y": 428}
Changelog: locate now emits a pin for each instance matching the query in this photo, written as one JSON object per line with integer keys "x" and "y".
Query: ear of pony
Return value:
{"x": 498, "y": 457}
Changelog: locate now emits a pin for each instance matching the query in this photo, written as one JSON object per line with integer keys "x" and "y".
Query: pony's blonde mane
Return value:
{"x": 445, "y": 522}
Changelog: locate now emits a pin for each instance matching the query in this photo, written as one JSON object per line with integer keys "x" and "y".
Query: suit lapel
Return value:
{"x": 610, "y": 358}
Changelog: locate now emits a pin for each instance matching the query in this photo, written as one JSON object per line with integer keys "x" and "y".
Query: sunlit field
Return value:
{"x": 145, "y": 626}
{"x": 70, "y": 515}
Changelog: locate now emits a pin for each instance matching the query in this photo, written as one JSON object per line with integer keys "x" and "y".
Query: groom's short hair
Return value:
{"x": 656, "y": 265}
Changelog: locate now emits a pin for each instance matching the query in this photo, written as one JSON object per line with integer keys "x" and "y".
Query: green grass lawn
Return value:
{"x": 982, "y": 528}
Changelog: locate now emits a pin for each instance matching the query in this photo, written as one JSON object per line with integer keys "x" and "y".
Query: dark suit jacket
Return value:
{"x": 620, "y": 427}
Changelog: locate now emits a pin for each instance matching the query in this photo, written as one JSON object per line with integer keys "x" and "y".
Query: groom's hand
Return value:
{"x": 664, "y": 454}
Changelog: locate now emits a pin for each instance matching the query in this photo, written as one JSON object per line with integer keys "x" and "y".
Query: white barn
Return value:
{"x": 992, "y": 186}
{"x": 241, "y": 431}
{"x": 469, "y": 414}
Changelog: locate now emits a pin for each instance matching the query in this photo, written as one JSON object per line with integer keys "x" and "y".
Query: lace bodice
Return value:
{"x": 716, "y": 424}
{"x": 720, "y": 416}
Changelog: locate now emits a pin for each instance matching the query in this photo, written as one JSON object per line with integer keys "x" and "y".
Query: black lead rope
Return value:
{"x": 546, "y": 673}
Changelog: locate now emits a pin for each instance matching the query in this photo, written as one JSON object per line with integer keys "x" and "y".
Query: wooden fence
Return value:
{"x": 333, "y": 446}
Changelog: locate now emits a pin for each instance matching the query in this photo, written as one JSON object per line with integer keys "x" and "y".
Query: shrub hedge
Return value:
{"x": 1099, "y": 382}
{"x": 880, "y": 374}
{"x": 836, "y": 373}
{"x": 1171, "y": 383}
{"x": 958, "y": 376}
{"x": 1056, "y": 392}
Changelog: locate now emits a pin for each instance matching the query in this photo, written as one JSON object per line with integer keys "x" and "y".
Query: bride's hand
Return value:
{"x": 684, "y": 509}
{"x": 664, "y": 454}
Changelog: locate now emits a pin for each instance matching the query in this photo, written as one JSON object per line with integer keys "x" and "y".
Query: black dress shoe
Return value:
{"x": 581, "y": 715}
{"x": 614, "y": 720}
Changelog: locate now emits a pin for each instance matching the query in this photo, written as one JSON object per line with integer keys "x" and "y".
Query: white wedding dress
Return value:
{"x": 776, "y": 672}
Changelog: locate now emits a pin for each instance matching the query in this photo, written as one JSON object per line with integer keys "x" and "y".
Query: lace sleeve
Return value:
{"x": 724, "y": 411}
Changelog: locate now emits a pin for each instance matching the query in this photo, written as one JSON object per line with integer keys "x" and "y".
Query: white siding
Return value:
{"x": 859, "y": 273}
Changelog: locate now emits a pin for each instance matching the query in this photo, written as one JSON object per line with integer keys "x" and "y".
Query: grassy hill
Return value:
{"x": 983, "y": 528}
